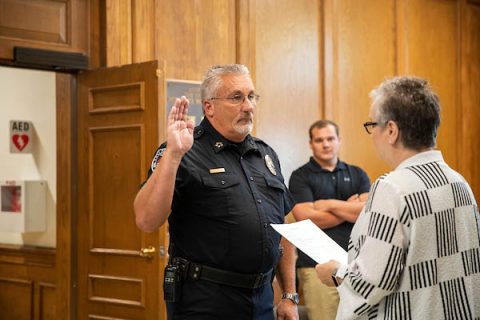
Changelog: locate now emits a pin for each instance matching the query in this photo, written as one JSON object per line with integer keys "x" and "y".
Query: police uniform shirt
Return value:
{"x": 226, "y": 196}
{"x": 311, "y": 182}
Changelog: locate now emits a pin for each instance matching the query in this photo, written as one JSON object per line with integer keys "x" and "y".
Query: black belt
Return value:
{"x": 198, "y": 271}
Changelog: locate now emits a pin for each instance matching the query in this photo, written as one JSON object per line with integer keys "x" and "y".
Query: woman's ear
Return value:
{"x": 393, "y": 132}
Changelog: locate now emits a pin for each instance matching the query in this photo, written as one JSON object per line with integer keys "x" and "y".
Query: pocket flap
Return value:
{"x": 220, "y": 180}
{"x": 274, "y": 183}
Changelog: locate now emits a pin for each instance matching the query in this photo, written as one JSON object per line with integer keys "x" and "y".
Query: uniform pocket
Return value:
{"x": 275, "y": 195}
{"x": 218, "y": 193}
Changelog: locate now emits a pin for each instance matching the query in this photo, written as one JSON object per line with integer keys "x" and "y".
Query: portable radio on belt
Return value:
{"x": 172, "y": 283}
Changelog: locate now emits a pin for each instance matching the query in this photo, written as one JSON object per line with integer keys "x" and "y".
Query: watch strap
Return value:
{"x": 293, "y": 296}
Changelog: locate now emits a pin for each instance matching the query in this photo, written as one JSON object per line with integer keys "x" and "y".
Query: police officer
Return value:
{"x": 220, "y": 189}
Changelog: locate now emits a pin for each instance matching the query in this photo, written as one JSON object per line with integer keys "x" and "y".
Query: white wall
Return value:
{"x": 30, "y": 95}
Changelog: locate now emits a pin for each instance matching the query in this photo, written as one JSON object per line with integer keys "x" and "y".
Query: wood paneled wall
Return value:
{"x": 428, "y": 43}
{"x": 359, "y": 54}
{"x": 192, "y": 35}
{"x": 388, "y": 38}
{"x": 27, "y": 283}
{"x": 434, "y": 39}
{"x": 469, "y": 110}
{"x": 289, "y": 63}
{"x": 309, "y": 59}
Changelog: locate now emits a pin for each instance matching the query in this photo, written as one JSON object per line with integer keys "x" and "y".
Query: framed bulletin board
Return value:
{"x": 190, "y": 89}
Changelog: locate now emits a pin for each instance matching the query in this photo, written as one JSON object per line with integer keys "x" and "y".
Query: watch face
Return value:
{"x": 291, "y": 296}
{"x": 295, "y": 298}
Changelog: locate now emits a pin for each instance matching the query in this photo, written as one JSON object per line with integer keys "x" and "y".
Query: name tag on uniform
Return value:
{"x": 217, "y": 170}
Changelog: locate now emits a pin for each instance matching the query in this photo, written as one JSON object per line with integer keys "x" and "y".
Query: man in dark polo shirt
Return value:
{"x": 220, "y": 189}
{"x": 331, "y": 193}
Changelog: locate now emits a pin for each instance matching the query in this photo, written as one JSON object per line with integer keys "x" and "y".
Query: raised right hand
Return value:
{"x": 180, "y": 129}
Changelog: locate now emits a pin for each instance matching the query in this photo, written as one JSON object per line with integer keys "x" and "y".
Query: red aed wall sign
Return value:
{"x": 21, "y": 136}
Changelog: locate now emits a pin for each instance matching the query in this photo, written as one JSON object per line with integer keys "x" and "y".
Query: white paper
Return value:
{"x": 309, "y": 238}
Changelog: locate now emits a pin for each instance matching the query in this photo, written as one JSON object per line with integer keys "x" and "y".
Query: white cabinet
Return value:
{"x": 23, "y": 206}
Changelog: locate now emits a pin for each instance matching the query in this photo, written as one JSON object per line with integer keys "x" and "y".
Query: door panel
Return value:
{"x": 119, "y": 113}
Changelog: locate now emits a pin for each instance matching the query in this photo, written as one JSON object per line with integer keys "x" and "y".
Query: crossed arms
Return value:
{"x": 329, "y": 213}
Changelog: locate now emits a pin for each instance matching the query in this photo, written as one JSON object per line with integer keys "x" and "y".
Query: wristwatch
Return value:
{"x": 291, "y": 296}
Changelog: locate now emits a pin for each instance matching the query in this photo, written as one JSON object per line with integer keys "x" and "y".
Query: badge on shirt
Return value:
{"x": 270, "y": 165}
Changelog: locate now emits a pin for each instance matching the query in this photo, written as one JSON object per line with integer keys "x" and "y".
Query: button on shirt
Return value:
{"x": 311, "y": 182}
{"x": 224, "y": 201}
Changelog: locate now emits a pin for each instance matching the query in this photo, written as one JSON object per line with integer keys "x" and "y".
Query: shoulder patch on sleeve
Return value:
{"x": 157, "y": 156}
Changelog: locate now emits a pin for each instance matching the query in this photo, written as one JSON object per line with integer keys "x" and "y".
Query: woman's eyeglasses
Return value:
{"x": 369, "y": 125}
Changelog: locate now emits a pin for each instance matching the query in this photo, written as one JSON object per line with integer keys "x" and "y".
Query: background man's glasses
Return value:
{"x": 240, "y": 98}
{"x": 369, "y": 125}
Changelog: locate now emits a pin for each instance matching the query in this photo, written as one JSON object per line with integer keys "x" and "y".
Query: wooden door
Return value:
{"x": 120, "y": 124}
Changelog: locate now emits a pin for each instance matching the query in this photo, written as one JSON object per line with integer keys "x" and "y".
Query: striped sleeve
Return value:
{"x": 378, "y": 262}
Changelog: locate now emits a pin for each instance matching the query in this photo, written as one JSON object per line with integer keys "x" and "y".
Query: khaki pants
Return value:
{"x": 321, "y": 301}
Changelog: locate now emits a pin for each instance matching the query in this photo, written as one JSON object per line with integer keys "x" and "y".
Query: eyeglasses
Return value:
{"x": 369, "y": 125}
{"x": 239, "y": 98}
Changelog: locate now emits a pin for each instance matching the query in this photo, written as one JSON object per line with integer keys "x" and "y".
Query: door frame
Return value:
{"x": 66, "y": 181}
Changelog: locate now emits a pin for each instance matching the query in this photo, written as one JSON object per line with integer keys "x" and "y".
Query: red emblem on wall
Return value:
{"x": 20, "y": 141}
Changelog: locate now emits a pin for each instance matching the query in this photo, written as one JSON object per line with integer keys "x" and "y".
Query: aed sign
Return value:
{"x": 21, "y": 136}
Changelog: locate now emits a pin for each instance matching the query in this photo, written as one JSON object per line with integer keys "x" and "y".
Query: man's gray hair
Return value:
{"x": 411, "y": 103}
{"x": 213, "y": 78}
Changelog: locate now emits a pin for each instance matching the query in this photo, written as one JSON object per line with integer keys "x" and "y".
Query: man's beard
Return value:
{"x": 243, "y": 127}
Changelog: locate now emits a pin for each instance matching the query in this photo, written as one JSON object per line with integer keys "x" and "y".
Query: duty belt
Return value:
{"x": 197, "y": 271}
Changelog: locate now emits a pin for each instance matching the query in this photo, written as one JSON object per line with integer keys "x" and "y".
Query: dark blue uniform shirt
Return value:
{"x": 311, "y": 182}
{"x": 226, "y": 196}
